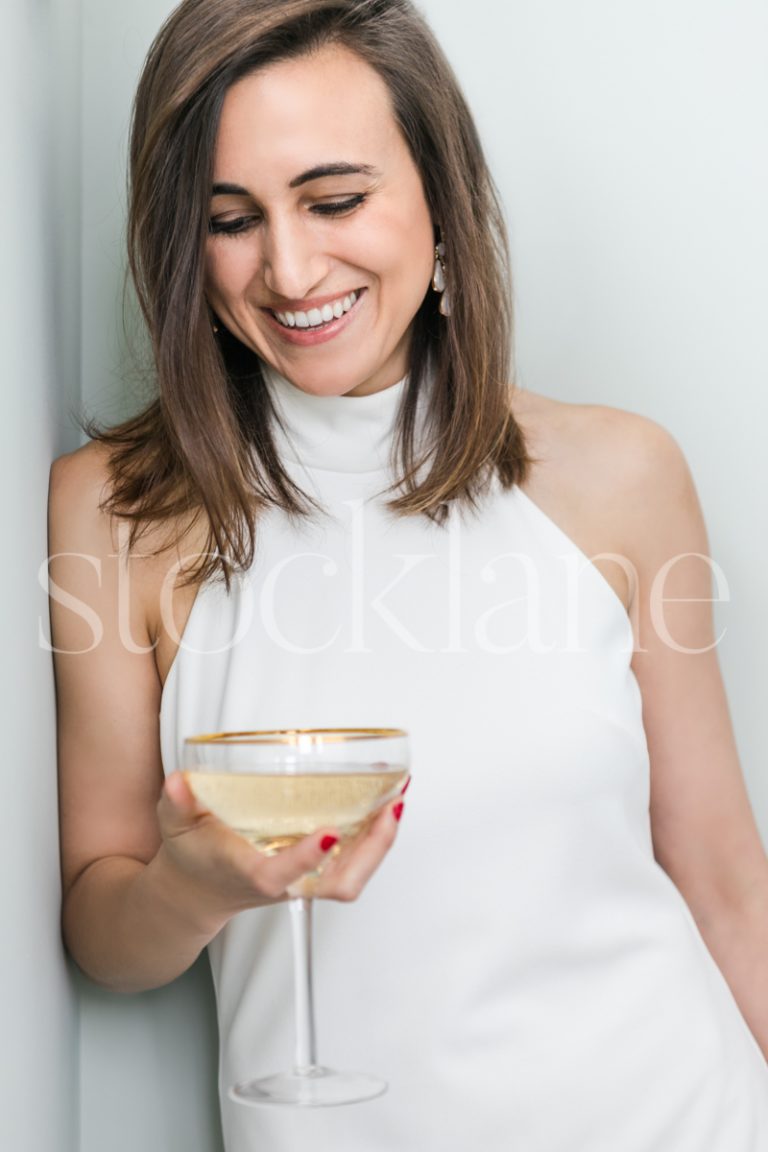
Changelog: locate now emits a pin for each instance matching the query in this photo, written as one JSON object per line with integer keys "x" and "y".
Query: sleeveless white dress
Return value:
{"x": 520, "y": 969}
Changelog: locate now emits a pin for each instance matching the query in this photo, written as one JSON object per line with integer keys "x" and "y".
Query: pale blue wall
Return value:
{"x": 148, "y": 1078}
{"x": 39, "y": 341}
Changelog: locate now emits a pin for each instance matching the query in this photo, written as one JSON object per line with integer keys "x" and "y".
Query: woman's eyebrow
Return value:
{"x": 229, "y": 190}
{"x": 339, "y": 168}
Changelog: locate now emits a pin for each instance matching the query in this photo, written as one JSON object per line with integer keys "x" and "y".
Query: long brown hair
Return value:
{"x": 204, "y": 446}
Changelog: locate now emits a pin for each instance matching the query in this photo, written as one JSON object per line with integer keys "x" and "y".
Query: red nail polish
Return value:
{"x": 397, "y": 811}
{"x": 328, "y": 842}
{"x": 406, "y": 786}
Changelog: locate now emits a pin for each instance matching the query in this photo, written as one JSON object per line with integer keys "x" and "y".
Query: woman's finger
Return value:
{"x": 346, "y": 876}
{"x": 274, "y": 875}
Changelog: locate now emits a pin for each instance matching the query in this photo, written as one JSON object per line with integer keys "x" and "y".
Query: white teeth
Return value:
{"x": 317, "y": 316}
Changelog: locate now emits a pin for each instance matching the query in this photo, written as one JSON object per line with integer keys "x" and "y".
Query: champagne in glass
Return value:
{"x": 273, "y": 788}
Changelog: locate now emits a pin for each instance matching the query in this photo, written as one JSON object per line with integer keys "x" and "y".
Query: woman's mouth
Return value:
{"x": 316, "y": 317}
{"x": 314, "y": 325}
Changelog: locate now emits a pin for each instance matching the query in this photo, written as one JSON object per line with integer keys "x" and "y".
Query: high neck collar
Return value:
{"x": 335, "y": 433}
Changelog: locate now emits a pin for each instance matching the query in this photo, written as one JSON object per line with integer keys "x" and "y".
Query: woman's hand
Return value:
{"x": 218, "y": 868}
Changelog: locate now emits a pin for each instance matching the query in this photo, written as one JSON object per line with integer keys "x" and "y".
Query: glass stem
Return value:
{"x": 306, "y": 1044}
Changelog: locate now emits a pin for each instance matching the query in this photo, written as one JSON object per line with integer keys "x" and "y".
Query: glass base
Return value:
{"x": 316, "y": 1088}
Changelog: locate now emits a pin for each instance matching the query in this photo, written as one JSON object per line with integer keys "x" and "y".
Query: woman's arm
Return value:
{"x": 704, "y": 833}
{"x": 148, "y": 875}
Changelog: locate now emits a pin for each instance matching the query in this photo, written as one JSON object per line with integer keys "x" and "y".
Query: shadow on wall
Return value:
{"x": 153, "y": 1048}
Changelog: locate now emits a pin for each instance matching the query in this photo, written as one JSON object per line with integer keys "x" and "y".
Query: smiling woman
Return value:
{"x": 232, "y": 217}
{"x": 338, "y": 510}
{"x": 355, "y": 234}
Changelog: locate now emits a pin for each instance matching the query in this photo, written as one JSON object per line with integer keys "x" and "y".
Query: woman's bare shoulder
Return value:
{"x": 595, "y": 449}
{"x": 565, "y": 428}
{"x": 81, "y": 473}
{"x": 615, "y": 482}
{"x": 80, "y": 487}
{"x": 79, "y": 484}
{"x": 93, "y": 558}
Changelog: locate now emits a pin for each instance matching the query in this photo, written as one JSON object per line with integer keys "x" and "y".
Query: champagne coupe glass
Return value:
{"x": 273, "y": 788}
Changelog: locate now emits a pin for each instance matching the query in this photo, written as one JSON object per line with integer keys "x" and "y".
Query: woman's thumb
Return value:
{"x": 179, "y": 800}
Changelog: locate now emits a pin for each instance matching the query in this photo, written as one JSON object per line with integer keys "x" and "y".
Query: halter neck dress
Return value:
{"x": 520, "y": 969}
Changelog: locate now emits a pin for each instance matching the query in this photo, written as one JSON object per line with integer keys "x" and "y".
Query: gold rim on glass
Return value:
{"x": 292, "y": 735}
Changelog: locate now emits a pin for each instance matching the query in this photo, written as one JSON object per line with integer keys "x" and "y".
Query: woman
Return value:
{"x": 352, "y": 517}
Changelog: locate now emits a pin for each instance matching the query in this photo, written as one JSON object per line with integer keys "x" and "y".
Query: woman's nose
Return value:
{"x": 293, "y": 264}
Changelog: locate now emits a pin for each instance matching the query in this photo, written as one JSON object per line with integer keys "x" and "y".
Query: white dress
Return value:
{"x": 520, "y": 969}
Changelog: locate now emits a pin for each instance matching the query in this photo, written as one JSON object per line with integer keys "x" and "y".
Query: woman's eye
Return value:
{"x": 231, "y": 226}
{"x": 338, "y": 207}
{"x": 238, "y": 225}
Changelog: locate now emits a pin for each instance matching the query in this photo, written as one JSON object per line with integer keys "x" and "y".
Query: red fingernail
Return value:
{"x": 406, "y": 786}
{"x": 397, "y": 811}
{"x": 328, "y": 842}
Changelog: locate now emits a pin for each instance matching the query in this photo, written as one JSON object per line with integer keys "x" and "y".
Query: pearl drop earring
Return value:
{"x": 439, "y": 280}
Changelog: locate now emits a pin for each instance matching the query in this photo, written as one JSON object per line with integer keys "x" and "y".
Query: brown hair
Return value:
{"x": 204, "y": 446}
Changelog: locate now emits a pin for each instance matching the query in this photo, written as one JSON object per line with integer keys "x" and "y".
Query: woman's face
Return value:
{"x": 321, "y": 247}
